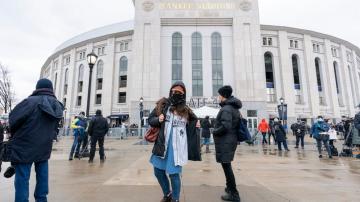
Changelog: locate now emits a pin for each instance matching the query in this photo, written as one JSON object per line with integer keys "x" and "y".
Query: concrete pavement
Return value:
{"x": 262, "y": 174}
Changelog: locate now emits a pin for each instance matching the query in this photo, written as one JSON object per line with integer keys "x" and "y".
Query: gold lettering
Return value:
{"x": 199, "y": 6}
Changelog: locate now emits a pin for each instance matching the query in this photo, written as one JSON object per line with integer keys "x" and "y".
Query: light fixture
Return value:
{"x": 91, "y": 58}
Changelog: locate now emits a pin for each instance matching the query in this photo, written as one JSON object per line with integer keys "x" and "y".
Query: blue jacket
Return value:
{"x": 33, "y": 124}
{"x": 319, "y": 127}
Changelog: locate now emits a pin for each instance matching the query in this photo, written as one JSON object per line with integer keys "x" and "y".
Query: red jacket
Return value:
{"x": 263, "y": 126}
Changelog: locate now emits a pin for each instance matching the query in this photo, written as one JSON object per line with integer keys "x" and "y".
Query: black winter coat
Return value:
{"x": 205, "y": 125}
{"x": 357, "y": 121}
{"x": 1, "y": 133}
{"x": 33, "y": 124}
{"x": 280, "y": 133}
{"x": 98, "y": 126}
{"x": 193, "y": 136}
{"x": 299, "y": 129}
{"x": 226, "y": 129}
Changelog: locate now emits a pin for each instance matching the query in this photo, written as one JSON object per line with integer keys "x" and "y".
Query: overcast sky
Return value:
{"x": 30, "y": 30}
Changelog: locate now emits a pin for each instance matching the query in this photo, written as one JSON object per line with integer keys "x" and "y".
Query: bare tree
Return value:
{"x": 7, "y": 94}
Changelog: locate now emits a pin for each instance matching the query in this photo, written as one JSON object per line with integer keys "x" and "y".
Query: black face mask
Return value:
{"x": 177, "y": 99}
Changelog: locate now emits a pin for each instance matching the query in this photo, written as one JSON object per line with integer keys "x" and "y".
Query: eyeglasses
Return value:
{"x": 176, "y": 92}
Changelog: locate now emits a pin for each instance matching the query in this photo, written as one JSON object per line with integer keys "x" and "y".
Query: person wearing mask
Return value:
{"x": 299, "y": 129}
{"x": 33, "y": 123}
{"x": 205, "y": 125}
{"x": 280, "y": 135}
{"x": 263, "y": 128}
{"x": 225, "y": 138}
{"x": 97, "y": 130}
{"x": 319, "y": 132}
{"x": 177, "y": 142}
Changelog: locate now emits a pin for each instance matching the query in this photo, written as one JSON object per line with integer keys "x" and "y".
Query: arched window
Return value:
{"x": 197, "y": 80}
{"x": 318, "y": 74}
{"x": 66, "y": 81}
{"x": 217, "y": 63}
{"x": 123, "y": 72}
{"x": 81, "y": 73}
{"x": 269, "y": 71}
{"x": 55, "y": 82}
{"x": 176, "y": 57}
{"x": 99, "y": 75}
{"x": 352, "y": 84}
{"x": 336, "y": 77}
{"x": 81, "y": 78}
{"x": 295, "y": 65}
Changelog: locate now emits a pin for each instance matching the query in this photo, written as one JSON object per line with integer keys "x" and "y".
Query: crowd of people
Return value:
{"x": 34, "y": 124}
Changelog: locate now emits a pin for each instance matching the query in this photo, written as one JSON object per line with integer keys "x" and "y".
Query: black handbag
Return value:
{"x": 5, "y": 151}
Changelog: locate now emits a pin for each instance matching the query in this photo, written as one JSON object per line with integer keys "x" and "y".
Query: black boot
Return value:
{"x": 231, "y": 197}
{"x": 167, "y": 198}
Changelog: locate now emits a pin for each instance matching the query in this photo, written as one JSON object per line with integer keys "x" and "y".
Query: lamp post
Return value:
{"x": 91, "y": 59}
{"x": 64, "y": 122}
{"x": 141, "y": 107}
{"x": 282, "y": 100}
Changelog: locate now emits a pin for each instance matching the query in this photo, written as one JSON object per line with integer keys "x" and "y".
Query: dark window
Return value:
{"x": 78, "y": 101}
{"x": 318, "y": 74}
{"x": 123, "y": 72}
{"x": 80, "y": 86}
{"x": 99, "y": 83}
{"x": 217, "y": 63}
{"x": 336, "y": 78}
{"x": 176, "y": 57}
{"x": 55, "y": 83}
{"x": 123, "y": 81}
{"x": 122, "y": 97}
{"x": 197, "y": 80}
{"x": 269, "y": 70}
{"x": 295, "y": 65}
{"x": 65, "y": 89}
{"x": 98, "y": 99}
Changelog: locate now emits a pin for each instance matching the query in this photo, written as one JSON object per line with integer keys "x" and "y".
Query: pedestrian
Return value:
{"x": 205, "y": 125}
{"x": 332, "y": 135}
{"x": 1, "y": 141}
{"x": 78, "y": 125}
{"x": 299, "y": 129}
{"x": 271, "y": 131}
{"x": 33, "y": 124}
{"x": 263, "y": 128}
{"x": 319, "y": 132}
{"x": 97, "y": 130}
{"x": 280, "y": 135}
{"x": 225, "y": 138}
{"x": 178, "y": 140}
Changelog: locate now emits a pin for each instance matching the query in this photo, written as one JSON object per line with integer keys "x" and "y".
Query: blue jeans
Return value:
{"x": 22, "y": 177}
{"x": 165, "y": 185}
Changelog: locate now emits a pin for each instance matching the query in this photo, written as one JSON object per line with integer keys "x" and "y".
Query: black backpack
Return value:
{"x": 243, "y": 132}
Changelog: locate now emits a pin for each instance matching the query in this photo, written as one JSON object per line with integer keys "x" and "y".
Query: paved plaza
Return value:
{"x": 262, "y": 173}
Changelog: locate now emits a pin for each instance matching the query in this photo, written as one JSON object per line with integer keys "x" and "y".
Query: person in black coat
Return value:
{"x": 1, "y": 141}
{"x": 97, "y": 130}
{"x": 299, "y": 129}
{"x": 280, "y": 135}
{"x": 205, "y": 125}
{"x": 225, "y": 138}
{"x": 33, "y": 123}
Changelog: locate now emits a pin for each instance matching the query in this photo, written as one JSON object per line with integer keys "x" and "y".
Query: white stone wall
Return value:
{"x": 149, "y": 63}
